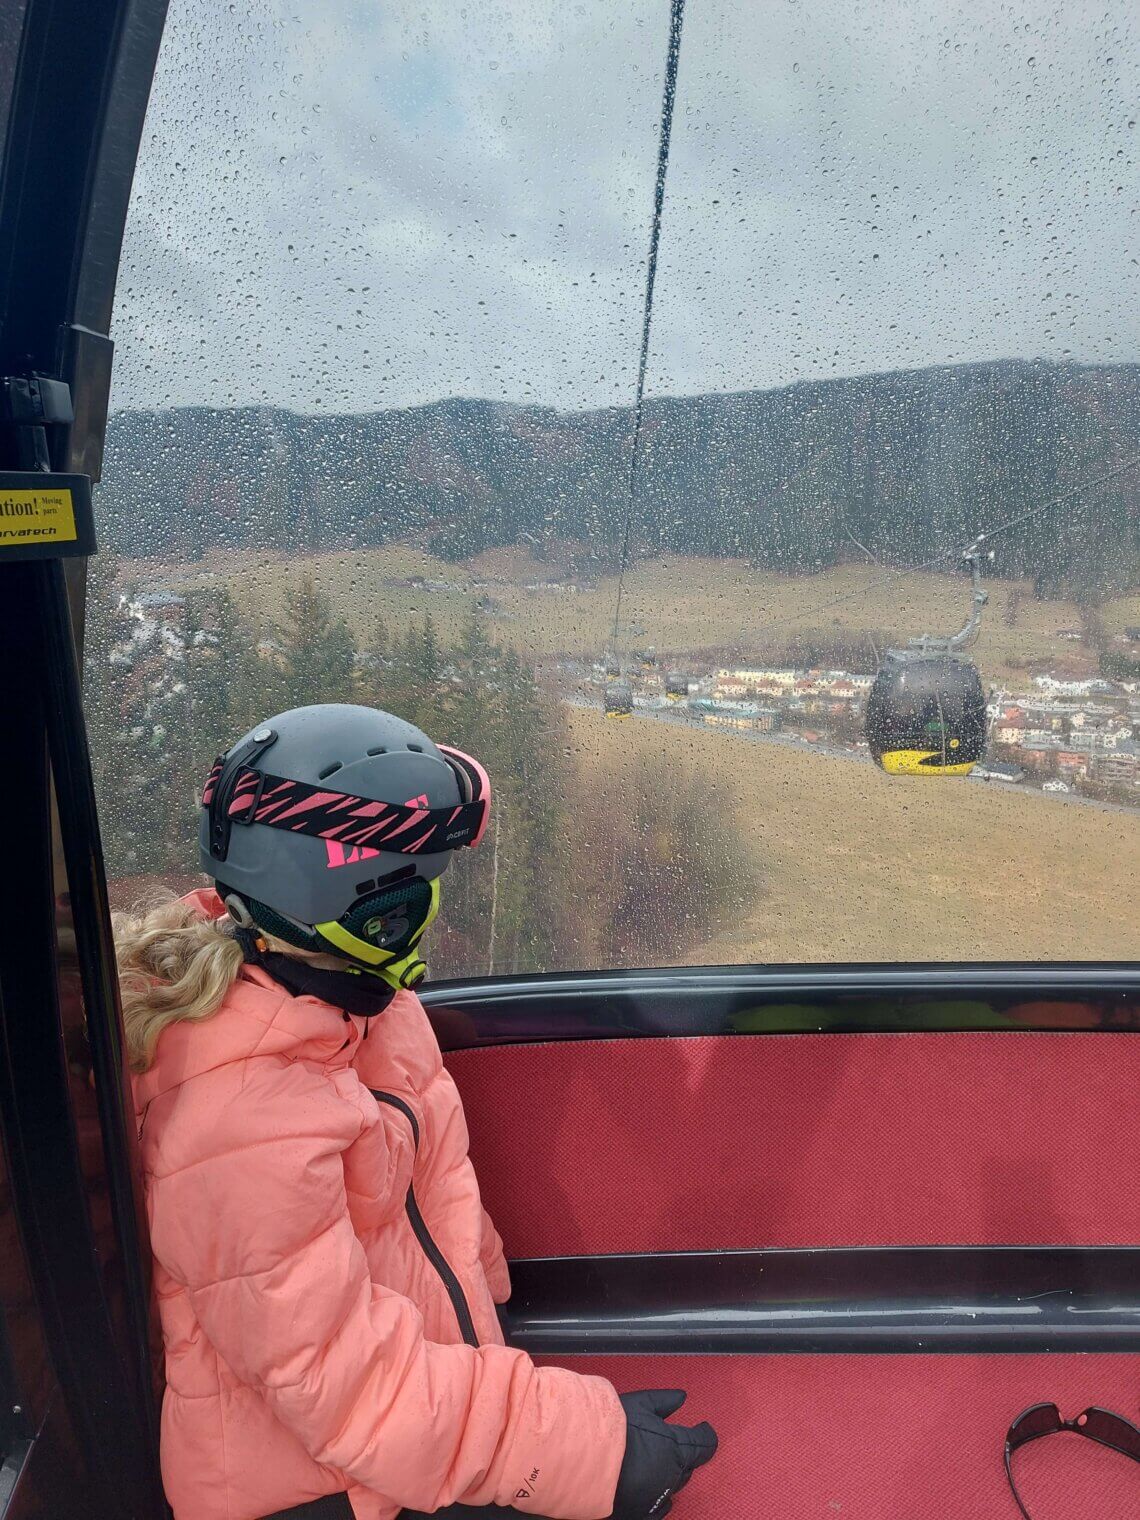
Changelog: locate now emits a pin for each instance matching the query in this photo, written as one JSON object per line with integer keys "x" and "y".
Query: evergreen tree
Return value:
{"x": 318, "y": 657}
{"x": 113, "y": 759}
{"x": 232, "y": 686}
{"x": 379, "y": 647}
{"x": 138, "y": 709}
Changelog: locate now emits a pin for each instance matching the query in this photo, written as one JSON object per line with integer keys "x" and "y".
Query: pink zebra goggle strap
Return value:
{"x": 279, "y": 803}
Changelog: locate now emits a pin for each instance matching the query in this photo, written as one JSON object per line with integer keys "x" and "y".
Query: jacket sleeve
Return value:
{"x": 257, "y": 1228}
{"x": 494, "y": 1262}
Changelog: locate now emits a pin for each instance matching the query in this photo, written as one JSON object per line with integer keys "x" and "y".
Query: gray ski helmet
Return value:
{"x": 324, "y": 826}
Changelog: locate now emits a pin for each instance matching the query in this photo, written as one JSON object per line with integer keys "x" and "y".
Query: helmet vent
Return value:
{"x": 330, "y": 770}
{"x": 378, "y": 749}
{"x": 416, "y": 748}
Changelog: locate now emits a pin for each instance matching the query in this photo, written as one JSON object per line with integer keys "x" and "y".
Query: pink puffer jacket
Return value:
{"x": 312, "y": 1345}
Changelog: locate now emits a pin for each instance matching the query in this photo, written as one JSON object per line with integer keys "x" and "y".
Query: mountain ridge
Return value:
{"x": 902, "y": 461}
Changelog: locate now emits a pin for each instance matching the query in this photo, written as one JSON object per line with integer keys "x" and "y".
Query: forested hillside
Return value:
{"x": 907, "y": 464}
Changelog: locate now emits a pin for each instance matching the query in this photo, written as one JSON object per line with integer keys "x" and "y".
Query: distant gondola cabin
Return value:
{"x": 618, "y": 699}
{"x": 926, "y": 716}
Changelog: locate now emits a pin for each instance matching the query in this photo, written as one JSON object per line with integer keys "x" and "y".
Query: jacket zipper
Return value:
{"x": 423, "y": 1234}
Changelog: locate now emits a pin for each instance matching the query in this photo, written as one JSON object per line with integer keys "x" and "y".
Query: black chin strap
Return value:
{"x": 352, "y": 991}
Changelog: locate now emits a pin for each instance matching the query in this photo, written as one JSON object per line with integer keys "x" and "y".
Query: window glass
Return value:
{"x": 377, "y": 340}
{"x": 11, "y": 28}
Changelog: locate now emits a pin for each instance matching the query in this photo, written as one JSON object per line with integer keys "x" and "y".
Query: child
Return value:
{"x": 325, "y": 1272}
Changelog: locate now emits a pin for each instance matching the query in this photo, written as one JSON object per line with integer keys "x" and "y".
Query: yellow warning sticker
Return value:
{"x": 36, "y": 517}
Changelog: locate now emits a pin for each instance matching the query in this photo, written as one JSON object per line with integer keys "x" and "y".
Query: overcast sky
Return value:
{"x": 354, "y": 204}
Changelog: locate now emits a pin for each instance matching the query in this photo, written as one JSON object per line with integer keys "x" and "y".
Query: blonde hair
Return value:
{"x": 173, "y": 964}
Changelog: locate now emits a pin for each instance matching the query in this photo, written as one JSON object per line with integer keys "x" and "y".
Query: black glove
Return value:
{"x": 659, "y": 1458}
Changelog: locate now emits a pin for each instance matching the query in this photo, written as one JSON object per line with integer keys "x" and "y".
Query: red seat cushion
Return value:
{"x": 892, "y": 1437}
{"x": 807, "y": 1140}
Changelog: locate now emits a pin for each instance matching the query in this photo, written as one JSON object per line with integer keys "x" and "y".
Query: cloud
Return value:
{"x": 360, "y": 205}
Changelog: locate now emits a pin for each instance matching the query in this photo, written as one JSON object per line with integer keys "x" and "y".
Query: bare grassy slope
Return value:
{"x": 682, "y": 605}
{"x": 855, "y": 866}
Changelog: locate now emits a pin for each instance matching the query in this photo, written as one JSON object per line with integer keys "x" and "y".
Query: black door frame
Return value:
{"x": 82, "y": 81}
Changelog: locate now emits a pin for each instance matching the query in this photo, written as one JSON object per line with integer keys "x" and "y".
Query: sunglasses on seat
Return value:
{"x": 1099, "y": 1425}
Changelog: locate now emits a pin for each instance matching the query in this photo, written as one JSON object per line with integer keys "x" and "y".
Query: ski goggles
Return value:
{"x": 236, "y": 792}
{"x": 381, "y": 932}
{"x": 1099, "y": 1425}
